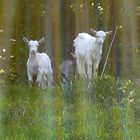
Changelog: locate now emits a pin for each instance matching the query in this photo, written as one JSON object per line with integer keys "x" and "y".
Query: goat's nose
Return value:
{"x": 33, "y": 51}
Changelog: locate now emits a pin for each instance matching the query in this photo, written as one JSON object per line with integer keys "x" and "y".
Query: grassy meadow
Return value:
{"x": 107, "y": 110}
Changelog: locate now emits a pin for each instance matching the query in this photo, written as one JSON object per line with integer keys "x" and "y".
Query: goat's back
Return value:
{"x": 84, "y": 43}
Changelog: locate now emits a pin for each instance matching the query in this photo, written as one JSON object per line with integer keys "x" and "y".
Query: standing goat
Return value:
{"x": 88, "y": 50}
{"x": 38, "y": 64}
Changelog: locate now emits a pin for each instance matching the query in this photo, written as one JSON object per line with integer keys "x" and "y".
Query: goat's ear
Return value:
{"x": 109, "y": 32}
{"x": 25, "y": 40}
{"x": 41, "y": 40}
{"x": 93, "y": 31}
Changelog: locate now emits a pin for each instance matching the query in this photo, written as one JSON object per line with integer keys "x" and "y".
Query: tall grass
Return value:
{"x": 107, "y": 110}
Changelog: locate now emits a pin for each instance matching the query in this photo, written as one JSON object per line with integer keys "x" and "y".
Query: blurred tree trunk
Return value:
{"x": 68, "y": 28}
{"x": 48, "y": 26}
{"x": 129, "y": 38}
{"x": 17, "y": 68}
{"x": 56, "y": 35}
{"x": 57, "y": 49}
{"x": 78, "y": 21}
{"x": 85, "y": 14}
{"x": 97, "y": 18}
{"x": 7, "y": 30}
{"x": 115, "y": 53}
{"x": 133, "y": 28}
{"x": 2, "y": 64}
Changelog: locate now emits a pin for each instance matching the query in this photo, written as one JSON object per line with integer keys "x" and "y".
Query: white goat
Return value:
{"x": 88, "y": 50}
{"x": 38, "y": 64}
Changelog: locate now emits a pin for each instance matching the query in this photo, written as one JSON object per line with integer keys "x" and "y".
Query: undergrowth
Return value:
{"x": 108, "y": 109}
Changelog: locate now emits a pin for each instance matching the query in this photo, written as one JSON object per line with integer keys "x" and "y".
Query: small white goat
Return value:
{"x": 88, "y": 50}
{"x": 38, "y": 64}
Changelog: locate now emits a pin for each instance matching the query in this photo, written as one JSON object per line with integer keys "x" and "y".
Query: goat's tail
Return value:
{"x": 78, "y": 39}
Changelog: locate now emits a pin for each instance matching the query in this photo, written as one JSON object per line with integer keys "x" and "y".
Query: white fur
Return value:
{"x": 88, "y": 51}
{"x": 38, "y": 64}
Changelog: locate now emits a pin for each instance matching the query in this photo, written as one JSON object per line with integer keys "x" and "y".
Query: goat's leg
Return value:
{"x": 30, "y": 78}
{"x": 49, "y": 75}
{"x": 39, "y": 78}
{"x": 43, "y": 82}
{"x": 95, "y": 67}
{"x": 50, "y": 78}
{"x": 81, "y": 68}
{"x": 89, "y": 69}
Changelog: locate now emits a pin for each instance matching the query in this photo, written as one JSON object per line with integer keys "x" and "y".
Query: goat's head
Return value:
{"x": 100, "y": 35}
{"x": 33, "y": 44}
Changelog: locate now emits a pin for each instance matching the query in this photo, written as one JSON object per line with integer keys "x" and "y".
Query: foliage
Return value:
{"x": 107, "y": 109}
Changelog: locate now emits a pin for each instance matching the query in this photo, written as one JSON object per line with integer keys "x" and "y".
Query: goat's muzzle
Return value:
{"x": 100, "y": 43}
{"x": 33, "y": 51}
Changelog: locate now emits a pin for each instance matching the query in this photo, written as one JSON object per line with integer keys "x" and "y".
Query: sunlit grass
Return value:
{"x": 108, "y": 109}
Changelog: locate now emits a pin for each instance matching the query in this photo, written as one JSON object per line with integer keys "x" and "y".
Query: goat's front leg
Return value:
{"x": 40, "y": 80}
{"x": 95, "y": 67}
{"x": 30, "y": 78}
{"x": 43, "y": 82}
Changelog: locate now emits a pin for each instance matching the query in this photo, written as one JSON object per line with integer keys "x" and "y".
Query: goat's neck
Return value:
{"x": 33, "y": 56}
{"x": 99, "y": 45}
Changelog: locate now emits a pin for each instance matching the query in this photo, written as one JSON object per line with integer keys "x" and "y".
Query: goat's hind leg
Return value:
{"x": 81, "y": 68}
{"x": 50, "y": 78}
{"x": 89, "y": 69}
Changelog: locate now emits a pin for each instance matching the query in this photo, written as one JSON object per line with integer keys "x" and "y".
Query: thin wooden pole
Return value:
{"x": 108, "y": 53}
